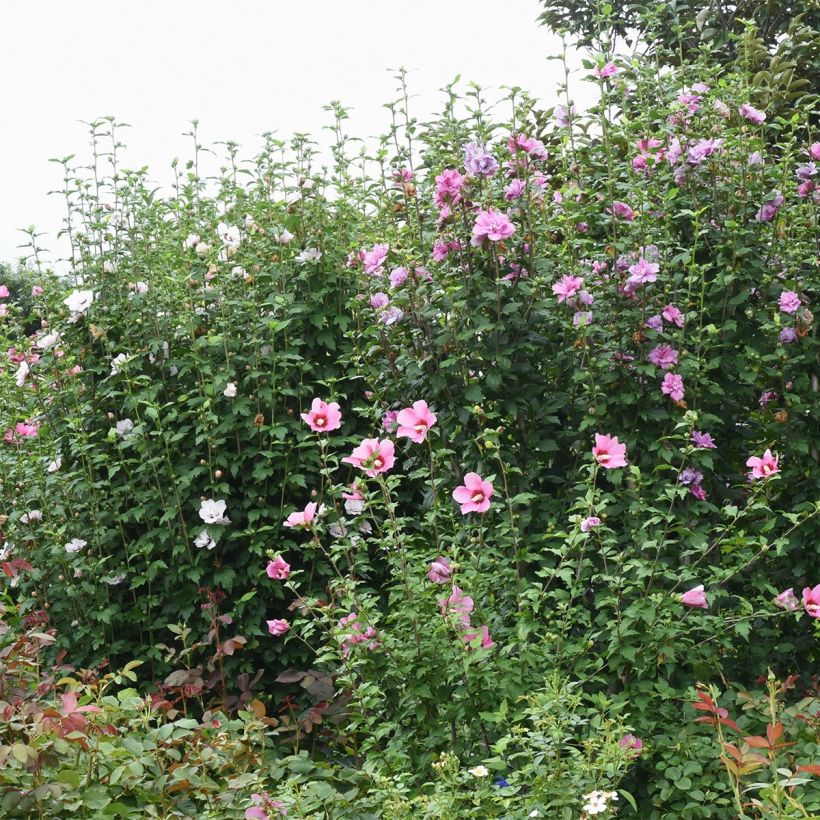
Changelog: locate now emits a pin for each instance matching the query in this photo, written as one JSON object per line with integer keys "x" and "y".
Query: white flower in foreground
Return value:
{"x": 191, "y": 241}
{"x": 78, "y": 302}
{"x": 49, "y": 340}
{"x": 22, "y": 374}
{"x": 479, "y": 771}
{"x": 202, "y": 249}
{"x": 213, "y": 512}
{"x": 284, "y": 236}
{"x": 113, "y": 580}
{"x": 204, "y": 540}
{"x": 75, "y": 545}
{"x": 31, "y": 516}
{"x": 124, "y": 427}
{"x": 229, "y": 234}
{"x": 55, "y": 465}
{"x": 117, "y": 362}
{"x": 230, "y": 390}
{"x": 139, "y": 287}
{"x": 312, "y": 255}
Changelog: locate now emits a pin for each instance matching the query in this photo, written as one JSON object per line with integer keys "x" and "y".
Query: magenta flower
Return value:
{"x": 752, "y": 114}
{"x": 632, "y": 743}
{"x": 278, "y": 627}
{"x": 607, "y": 70}
{"x": 642, "y": 272}
{"x": 323, "y": 417}
{"x": 440, "y": 571}
{"x": 701, "y": 150}
{"x": 695, "y": 597}
{"x": 374, "y": 259}
{"x": 373, "y": 456}
{"x": 398, "y": 276}
{"x": 493, "y": 225}
{"x": 588, "y": 523}
{"x": 478, "y": 162}
{"x": 811, "y": 601}
{"x": 458, "y": 605}
{"x": 278, "y": 569}
{"x": 474, "y": 495}
{"x": 4, "y": 292}
{"x": 486, "y": 641}
{"x": 566, "y": 287}
{"x": 37, "y": 291}
{"x": 672, "y": 315}
{"x": 672, "y": 386}
{"x": 789, "y": 301}
{"x": 415, "y": 421}
{"x": 787, "y": 600}
{"x": 663, "y": 356}
{"x": 379, "y": 300}
{"x": 622, "y": 211}
{"x": 304, "y": 519}
{"x": 703, "y": 440}
{"x": 765, "y": 466}
{"x": 768, "y": 210}
{"x": 655, "y": 323}
{"x": 25, "y": 430}
{"x": 814, "y": 150}
{"x": 609, "y": 452}
{"x": 515, "y": 190}
{"x": 448, "y": 187}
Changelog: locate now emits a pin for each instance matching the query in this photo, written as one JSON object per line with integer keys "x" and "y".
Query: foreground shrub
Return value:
{"x": 495, "y": 406}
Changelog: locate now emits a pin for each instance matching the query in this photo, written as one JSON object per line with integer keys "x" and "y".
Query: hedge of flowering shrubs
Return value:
{"x": 473, "y": 458}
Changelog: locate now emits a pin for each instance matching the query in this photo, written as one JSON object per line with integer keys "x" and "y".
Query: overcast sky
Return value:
{"x": 241, "y": 68}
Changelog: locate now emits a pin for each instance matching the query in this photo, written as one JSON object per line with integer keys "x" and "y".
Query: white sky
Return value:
{"x": 241, "y": 68}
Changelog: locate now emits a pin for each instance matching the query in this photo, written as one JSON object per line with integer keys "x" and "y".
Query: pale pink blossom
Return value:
{"x": 672, "y": 386}
{"x": 607, "y": 70}
{"x": 323, "y": 417}
{"x": 811, "y": 601}
{"x": 588, "y": 523}
{"x": 440, "y": 571}
{"x": 278, "y": 627}
{"x": 672, "y": 315}
{"x": 302, "y": 519}
{"x": 278, "y": 569}
{"x": 415, "y": 421}
{"x": 457, "y": 605}
{"x": 373, "y": 456}
{"x": 567, "y": 286}
{"x": 752, "y": 114}
{"x": 493, "y": 225}
{"x": 474, "y": 495}
{"x": 765, "y": 466}
{"x": 609, "y": 452}
{"x": 787, "y": 599}
{"x": 695, "y": 597}
{"x": 789, "y": 301}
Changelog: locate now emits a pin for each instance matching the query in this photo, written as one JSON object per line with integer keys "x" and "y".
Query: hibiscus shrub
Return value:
{"x": 520, "y": 395}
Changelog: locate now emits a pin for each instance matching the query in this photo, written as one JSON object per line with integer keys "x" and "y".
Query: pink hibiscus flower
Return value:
{"x": 415, "y": 421}
{"x": 609, "y": 452}
{"x": 373, "y": 456}
{"x": 474, "y": 495}
{"x": 765, "y": 466}
{"x": 323, "y": 417}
